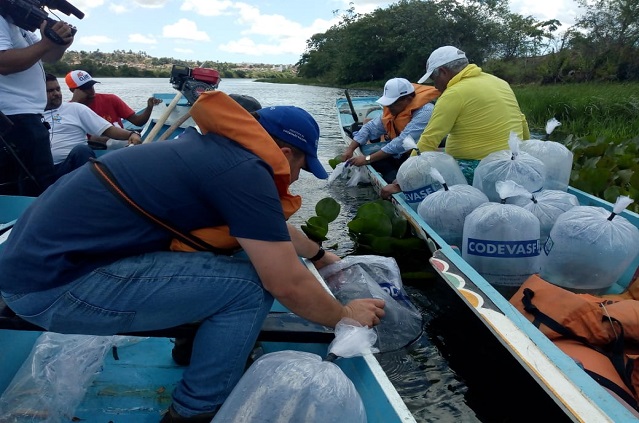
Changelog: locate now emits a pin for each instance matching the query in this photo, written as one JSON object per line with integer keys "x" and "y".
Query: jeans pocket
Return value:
{"x": 72, "y": 315}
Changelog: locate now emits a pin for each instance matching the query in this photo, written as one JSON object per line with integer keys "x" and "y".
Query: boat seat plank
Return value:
{"x": 279, "y": 326}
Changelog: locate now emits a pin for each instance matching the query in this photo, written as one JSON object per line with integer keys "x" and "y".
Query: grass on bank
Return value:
{"x": 608, "y": 110}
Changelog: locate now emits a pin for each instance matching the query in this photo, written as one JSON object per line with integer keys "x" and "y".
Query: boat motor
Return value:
{"x": 29, "y": 14}
{"x": 193, "y": 82}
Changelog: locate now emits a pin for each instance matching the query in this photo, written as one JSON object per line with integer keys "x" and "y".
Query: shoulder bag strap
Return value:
{"x": 109, "y": 181}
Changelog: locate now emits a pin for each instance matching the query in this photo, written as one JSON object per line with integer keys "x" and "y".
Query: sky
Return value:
{"x": 271, "y": 31}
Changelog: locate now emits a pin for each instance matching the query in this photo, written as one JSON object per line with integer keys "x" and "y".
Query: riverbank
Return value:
{"x": 608, "y": 110}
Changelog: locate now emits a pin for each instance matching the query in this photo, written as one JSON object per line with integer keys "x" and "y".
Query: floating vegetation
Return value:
{"x": 316, "y": 227}
{"x": 605, "y": 168}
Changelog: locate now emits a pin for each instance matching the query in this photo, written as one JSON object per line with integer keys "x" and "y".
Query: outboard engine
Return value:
{"x": 193, "y": 82}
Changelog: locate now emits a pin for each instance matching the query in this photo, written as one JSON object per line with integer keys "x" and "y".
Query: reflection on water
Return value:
{"x": 421, "y": 373}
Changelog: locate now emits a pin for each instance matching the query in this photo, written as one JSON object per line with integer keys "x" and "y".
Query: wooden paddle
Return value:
{"x": 160, "y": 122}
{"x": 175, "y": 125}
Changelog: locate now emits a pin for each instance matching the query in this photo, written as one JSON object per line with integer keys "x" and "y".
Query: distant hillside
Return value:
{"x": 122, "y": 63}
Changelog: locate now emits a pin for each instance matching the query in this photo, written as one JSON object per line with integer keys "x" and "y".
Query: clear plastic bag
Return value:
{"x": 415, "y": 179}
{"x": 354, "y": 174}
{"x": 513, "y": 165}
{"x": 557, "y": 159}
{"x": 370, "y": 276}
{"x": 296, "y": 386}
{"x": 54, "y": 378}
{"x": 446, "y": 209}
{"x": 589, "y": 248}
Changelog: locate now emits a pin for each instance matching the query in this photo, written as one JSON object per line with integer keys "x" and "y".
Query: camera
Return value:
{"x": 29, "y": 14}
{"x": 193, "y": 82}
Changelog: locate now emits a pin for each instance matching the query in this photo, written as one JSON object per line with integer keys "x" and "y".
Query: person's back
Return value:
{"x": 486, "y": 111}
{"x": 158, "y": 182}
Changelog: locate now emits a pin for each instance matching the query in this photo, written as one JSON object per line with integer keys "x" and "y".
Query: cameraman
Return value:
{"x": 23, "y": 98}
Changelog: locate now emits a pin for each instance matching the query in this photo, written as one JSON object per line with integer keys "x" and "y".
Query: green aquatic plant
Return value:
{"x": 605, "y": 168}
{"x": 316, "y": 227}
{"x": 377, "y": 228}
{"x": 335, "y": 161}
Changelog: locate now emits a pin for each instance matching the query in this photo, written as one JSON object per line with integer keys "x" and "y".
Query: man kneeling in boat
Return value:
{"x": 407, "y": 110}
{"x": 82, "y": 259}
{"x": 69, "y": 124}
{"x": 476, "y": 112}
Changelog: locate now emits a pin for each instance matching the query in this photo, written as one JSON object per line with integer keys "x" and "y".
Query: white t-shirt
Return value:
{"x": 26, "y": 91}
{"x": 70, "y": 124}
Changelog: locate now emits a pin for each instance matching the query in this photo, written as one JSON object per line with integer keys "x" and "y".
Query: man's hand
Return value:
{"x": 357, "y": 161}
{"x": 367, "y": 311}
{"x": 61, "y": 30}
{"x": 152, "y": 101}
{"x": 347, "y": 154}
{"x": 388, "y": 190}
{"x": 135, "y": 138}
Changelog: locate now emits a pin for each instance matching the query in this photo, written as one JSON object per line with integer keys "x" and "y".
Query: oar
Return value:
{"x": 350, "y": 104}
{"x": 166, "y": 134}
{"x": 160, "y": 122}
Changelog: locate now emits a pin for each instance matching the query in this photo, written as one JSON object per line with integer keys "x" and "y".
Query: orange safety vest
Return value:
{"x": 216, "y": 112}
{"x": 590, "y": 329}
{"x": 394, "y": 125}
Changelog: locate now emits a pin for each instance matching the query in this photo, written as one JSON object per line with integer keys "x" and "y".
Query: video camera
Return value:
{"x": 29, "y": 14}
{"x": 193, "y": 82}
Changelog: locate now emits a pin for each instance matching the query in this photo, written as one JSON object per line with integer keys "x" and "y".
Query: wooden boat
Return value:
{"x": 577, "y": 394}
{"x": 135, "y": 384}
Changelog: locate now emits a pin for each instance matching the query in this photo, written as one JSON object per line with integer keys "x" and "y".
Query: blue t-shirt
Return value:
{"x": 193, "y": 182}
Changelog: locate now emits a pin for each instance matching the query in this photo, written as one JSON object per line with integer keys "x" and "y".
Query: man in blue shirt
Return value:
{"x": 82, "y": 260}
{"x": 407, "y": 110}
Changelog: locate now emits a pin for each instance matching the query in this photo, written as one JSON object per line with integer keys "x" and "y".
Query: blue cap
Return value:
{"x": 296, "y": 127}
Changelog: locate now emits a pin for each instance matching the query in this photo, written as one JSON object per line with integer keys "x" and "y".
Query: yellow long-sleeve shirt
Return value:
{"x": 477, "y": 111}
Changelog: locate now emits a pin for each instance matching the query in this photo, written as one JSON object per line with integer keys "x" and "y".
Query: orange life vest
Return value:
{"x": 394, "y": 125}
{"x": 590, "y": 329}
{"x": 216, "y": 112}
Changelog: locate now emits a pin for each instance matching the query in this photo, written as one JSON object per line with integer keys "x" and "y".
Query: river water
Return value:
{"x": 423, "y": 374}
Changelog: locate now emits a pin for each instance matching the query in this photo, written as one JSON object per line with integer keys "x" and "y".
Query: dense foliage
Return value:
{"x": 396, "y": 41}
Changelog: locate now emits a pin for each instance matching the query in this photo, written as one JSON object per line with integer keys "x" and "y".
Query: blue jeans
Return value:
{"x": 161, "y": 290}
{"x": 79, "y": 155}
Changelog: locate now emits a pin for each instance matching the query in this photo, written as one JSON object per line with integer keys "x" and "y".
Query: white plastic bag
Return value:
{"x": 370, "y": 276}
{"x": 589, "y": 248}
{"x": 446, "y": 209}
{"x": 501, "y": 241}
{"x": 513, "y": 165}
{"x": 415, "y": 180}
{"x": 547, "y": 205}
{"x": 355, "y": 175}
{"x": 296, "y": 386}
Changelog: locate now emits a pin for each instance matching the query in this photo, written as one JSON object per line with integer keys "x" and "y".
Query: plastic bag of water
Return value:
{"x": 370, "y": 276}
{"x": 501, "y": 241}
{"x": 547, "y": 205}
{"x": 557, "y": 159}
{"x": 513, "y": 165}
{"x": 415, "y": 180}
{"x": 446, "y": 209}
{"x": 589, "y": 247}
{"x": 297, "y": 386}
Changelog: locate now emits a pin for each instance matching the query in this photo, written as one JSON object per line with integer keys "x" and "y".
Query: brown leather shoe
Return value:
{"x": 172, "y": 416}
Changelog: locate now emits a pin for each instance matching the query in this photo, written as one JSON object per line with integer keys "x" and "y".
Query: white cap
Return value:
{"x": 394, "y": 89}
{"x": 441, "y": 57}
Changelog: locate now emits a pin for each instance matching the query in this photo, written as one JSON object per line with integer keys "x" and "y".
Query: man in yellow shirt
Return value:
{"x": 476, "y": 111}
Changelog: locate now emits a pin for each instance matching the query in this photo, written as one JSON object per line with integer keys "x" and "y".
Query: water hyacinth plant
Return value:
{"x": 316, "y": 227}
